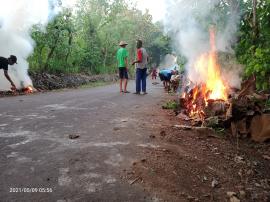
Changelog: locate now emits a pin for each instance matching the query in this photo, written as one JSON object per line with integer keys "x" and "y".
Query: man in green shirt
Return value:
{"x": 122, "y": 59}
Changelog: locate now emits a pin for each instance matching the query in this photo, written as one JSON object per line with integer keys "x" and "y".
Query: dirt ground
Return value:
{"x": 201, "y": 165}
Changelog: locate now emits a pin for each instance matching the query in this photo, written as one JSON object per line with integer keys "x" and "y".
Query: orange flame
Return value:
{"x": 28, "y": 89}
{"x": 208, "y": 67}
{"x": 214, "y": 87}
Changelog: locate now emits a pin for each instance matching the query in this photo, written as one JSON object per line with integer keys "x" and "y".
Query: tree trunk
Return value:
{"x": 255, "y": 21}
{"x": 40, "y": 56}
{"x": 70, "y": 44}
{"x": 51, "y": 53}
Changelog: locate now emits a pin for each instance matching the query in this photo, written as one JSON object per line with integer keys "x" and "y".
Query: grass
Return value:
{"x": 170, "y": 105}
{"x": 95, "y": 84}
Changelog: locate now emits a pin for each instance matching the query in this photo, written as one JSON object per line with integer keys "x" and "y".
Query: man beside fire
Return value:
{"x": 165, "y": 76}
{"x": 4, "y": 62}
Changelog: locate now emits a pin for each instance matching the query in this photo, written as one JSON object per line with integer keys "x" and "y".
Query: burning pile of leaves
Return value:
{"x": 213, "y": 103}
{"x": 245, "y": 112}
{"x": 22, "y": 91}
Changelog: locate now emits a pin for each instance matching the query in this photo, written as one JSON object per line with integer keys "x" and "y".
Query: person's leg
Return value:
{"x": 166, "y": 84}
{"x": 144, "y": 75}
{"x": 121, "y": 76}
{"x": 125, "y": 81}
{"x": 121, "y": 89}
{"x": 138, "y": 80}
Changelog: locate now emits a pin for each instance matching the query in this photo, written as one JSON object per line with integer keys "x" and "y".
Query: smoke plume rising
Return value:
{"x": 16, "y": 20}
{"x": 168, "y": 61}
{"x": 188, "y": 23}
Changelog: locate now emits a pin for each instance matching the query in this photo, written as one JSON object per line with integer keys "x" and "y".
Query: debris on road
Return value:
{"x": 73, "y": 136}
{"x": 215, "y": 183}
{"x": 135, "y": 180}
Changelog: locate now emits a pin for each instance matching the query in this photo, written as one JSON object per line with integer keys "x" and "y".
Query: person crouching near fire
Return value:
{"x": 4, "y": 62}
{"x": 175, "y": 79}
{"x": 165, "y": 76}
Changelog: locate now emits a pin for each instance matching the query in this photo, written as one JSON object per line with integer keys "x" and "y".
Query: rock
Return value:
{"x": 260, "y": 128}
{"x": 234, "y": 199}
{"x": 257, "y": 185}
{"x": 231, "y": 194}
{"x": 239, "y": 159}
{"x": 163, "y": 133}
{"x": 214, "y": 183}
{"x": 266, "y": 157}
{"x": 242, "y": 193}
{"x": 184, "y": 127}
{"x": 143, "y": 160}
{"x": 206, "y": 195}
{"x": 152, "y": 136}
{"x": 74, "y": 136}
{"x": 191, "y": 198}
{"x": 183, "y": 117}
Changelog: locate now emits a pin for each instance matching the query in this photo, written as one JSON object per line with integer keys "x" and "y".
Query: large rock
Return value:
{"x": 260, "y": 128}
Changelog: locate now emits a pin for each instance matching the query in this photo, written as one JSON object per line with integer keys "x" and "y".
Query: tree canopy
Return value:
{"x": 85, "y": 39}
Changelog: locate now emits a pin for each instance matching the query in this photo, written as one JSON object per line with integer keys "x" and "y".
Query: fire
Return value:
{"x": 28, "y": 89}
{"x": 214, "y": 87}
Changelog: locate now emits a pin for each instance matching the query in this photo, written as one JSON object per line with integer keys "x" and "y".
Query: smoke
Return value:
{"x": 16, "y": 20}
{"x": 168, "y": 61}
{"x": 188, "y": 23}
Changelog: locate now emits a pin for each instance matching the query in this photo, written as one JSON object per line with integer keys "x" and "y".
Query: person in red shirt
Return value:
{"x": 154, "y": 73}
{"x": 141, "y": 68}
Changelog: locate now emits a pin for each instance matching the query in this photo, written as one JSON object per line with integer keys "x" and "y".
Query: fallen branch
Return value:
{"x": 138, "y": 178}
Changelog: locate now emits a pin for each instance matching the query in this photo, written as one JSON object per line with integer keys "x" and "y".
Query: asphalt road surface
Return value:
{"x": 39, "y": 162}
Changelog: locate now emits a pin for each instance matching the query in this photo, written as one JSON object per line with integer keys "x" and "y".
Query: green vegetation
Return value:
{"x": 253, "y": 48}
{"x": 86, "y": 38}
{"x": 172, "y": 104}
{"x": 95, "y": 84}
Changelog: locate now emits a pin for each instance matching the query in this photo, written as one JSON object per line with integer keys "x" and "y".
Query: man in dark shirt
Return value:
{"x": 4, "y": 62}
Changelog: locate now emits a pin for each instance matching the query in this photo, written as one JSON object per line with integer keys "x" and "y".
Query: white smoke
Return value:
{"x": 186, "y": 21}
{"x": 16, "y": 20}
{"x": 168, "y": 61}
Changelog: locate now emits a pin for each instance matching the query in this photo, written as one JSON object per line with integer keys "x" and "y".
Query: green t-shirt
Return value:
{"x": 122, "y": 54}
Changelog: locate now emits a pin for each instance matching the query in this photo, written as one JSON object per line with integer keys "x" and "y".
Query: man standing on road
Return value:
{"x": 122, "y": 58}
{"x": 141, "y": 68}
{"x": 4, "y": 62}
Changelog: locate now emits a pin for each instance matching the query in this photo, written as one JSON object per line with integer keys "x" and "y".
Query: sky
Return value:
{"x": 155, "y": 7}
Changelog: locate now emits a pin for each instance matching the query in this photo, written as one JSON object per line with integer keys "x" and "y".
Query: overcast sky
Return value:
{"x": 156, "y": 8}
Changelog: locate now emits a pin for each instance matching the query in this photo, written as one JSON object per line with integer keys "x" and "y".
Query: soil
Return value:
{"x": 201, "y": 165}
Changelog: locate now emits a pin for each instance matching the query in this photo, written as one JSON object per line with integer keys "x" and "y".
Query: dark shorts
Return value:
{"x": 164, "y": 78}
{"x": 123, "y": 74}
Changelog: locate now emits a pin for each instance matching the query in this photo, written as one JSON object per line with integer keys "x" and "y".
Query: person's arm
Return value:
{"x": 139, "y": 57}
{"x": 9, "y": 79}
{"x": 126, "y": 62}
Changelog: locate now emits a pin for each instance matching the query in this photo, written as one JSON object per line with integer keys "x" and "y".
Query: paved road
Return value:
{"x": 36, "y": 151}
